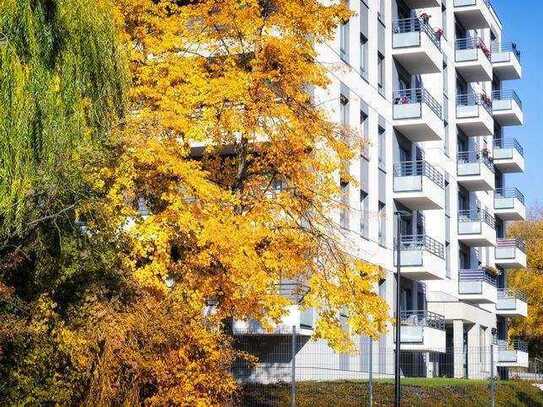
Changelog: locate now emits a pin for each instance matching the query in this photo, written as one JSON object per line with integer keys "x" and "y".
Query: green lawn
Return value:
{"x": 415, "y": 393}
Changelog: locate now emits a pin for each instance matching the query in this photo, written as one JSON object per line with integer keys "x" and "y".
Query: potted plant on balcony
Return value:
{"x": 486, "y": 100}
{"x": 482, "y": 46}
{"x": 439, "y": 33}
{"x": 425, "y": 17}
{"x": 491, "y": 270}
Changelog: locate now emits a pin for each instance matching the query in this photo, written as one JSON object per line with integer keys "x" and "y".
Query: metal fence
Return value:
{"x": 293, "y": 370}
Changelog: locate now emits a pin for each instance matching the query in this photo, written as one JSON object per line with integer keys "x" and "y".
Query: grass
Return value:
{"x": 438, "y": 392}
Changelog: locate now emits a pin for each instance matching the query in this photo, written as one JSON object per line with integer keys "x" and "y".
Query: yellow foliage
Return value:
{"x": 221, "y": 115}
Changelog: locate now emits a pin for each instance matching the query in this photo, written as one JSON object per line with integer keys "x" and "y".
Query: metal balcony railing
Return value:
{"x": 477, "y": 276}
{"x": 502, "y": 94}
{"x": 512, "y": 345}
{"x": 507, "y": 294}
{"x": 474, "y": 99}
{"x": 471, "y": 157}
{"x": 292, "y": 290}
{"x": 422, "y": 318}
{"x": 477, "y": 215}
{"x": 473, "y": 43}
{"x": 509, "y": 193}
{"x": 422, "y": 242}
{"x": 516, "y": 243}
{"x": 417, "y": 95}
{"x": 500, "y": 47}
{"x": 419, "y": 168}
{"x": 415, "y": 24}
{"x": 509, "y": 144}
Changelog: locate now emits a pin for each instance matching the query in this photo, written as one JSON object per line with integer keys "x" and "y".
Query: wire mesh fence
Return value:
{"x": 293, "y": 370}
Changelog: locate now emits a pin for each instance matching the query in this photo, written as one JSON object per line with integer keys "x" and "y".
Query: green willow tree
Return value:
{"x": 62, "y": 89}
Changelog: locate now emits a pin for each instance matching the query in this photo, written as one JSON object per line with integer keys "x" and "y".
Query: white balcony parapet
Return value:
{"x": 475, "y": 171}
{"x": 422, "y": 258}
{"x": 509, "y": 204}
{"x": 513, "y": 353}
{"x": 472, "y": 58}
{"x": 477, "y": 286}
{"x": 507, "y": 108}
{"x": 506, "y": 61}
{"x": 474, "y": 14}
{"x": 508, "y": 155}
{"x": 476, "y": 228}
{"x": 419, "y": 185}
{"x": 303, "y": 319}
{"x": 474, "y": 114}
{"x": 416, "y": 46}
{"x": 422, "y": 331}
{"x": 510, "y": 253}
{"x": 418, "y": 115}
{"x": 511, "y": 303}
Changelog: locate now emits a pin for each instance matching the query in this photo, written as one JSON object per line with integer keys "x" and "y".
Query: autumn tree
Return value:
{"x": 530, "y": 281}
{"x": 218, "y": 182}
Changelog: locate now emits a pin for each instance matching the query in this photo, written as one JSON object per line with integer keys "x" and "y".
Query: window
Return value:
{"x": 344, "y": 210}
{"x": 344, "y": 109}
{"x": 363, "y": 56}
{"x": 446, "y": 150}
{"x": 364, "y": 214}
{"x": 445, "y": 79}
{"x": 381, "y": 12}
{"x": 344, "y": 31}
{"x": 382, "y": 224}
{"x": 448, "y": 259}
{"x": 381, "y": 141}
{"x": 381, "y": 73}
{"x": 364, "y": 126}
{"x": 444, "y": 18}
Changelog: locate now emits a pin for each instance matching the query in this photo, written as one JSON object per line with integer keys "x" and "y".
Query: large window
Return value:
{"x": 364, "y": 214}
{"x": 344, "y": 210}
{"x": 381, "y": 73}
{"x": 364, "y": 56}
{"x": 382, "y": 224}
{"x": 381, "y": 144}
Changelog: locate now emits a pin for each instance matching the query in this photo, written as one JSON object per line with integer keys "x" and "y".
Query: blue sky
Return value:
{"x": 522, "y": 20}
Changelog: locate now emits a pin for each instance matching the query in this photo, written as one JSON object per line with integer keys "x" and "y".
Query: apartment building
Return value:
{"x": 429, "y": 84}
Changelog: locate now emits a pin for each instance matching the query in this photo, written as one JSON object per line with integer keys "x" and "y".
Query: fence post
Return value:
{"x": 293, "y": 370}
{"x": 370, "y": 376}
{"x": 492, "y": 378}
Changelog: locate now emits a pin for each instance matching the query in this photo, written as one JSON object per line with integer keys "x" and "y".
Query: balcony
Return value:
{"x": 472, "y": 58}
{"x": 510, "y": 253}
{"x": 475, "y": 171}
{"x": 507, "y": 108}
{"x": 509, "y": 204}
{"x": 417, "y": 115}
{"x": 508, "y": 156}
{"x": 419, "y": 185}
{"x": 474, "y": 114}
{"x": 513, "y": 354}
{"x": 302, "y": 319}
{"x": 416, "y": 46}
{"x": 511, "y": 304}
{"x": 506, "y": 61}
{"x": 476, "y": 228}
{"x": 473, "y": 14}
{"x": 414, "y": 4}
{"x": 421, "y": 258}
{"x": 477, "y": 286}
{"x": 422, "y": 331}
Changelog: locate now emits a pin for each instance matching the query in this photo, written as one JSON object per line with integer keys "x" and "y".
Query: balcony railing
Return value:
{"x": 471, "y": 157}
{"x": 473, "y": 43}
{"x": 415, "y": 24}
{"x": 417, "y": 95}
{"x": 474, "y": 99}
{"x": 477, "y": 215}
{"x": 420, "y": 243}
{"x": 515, "y": 243}
{"x": 510, "y": 193}
{"x": 476, "y": 276}
{"x": 419, "y": 168}
{"x": 512, "y": 345}
{"x": 506, "y": 95}
{"x": 423, "y": 319}
{"x": 507, "y": 294}
{"x": 498, "y": 48}
{"x": 509, "y": 144}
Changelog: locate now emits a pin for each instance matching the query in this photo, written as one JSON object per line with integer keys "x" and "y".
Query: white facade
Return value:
{"x": 424, "y": 87}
